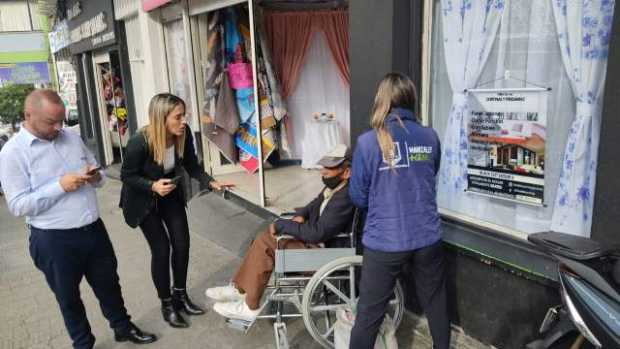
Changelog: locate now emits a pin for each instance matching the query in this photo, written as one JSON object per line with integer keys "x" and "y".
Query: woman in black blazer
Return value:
{"x": 152, "y": 197}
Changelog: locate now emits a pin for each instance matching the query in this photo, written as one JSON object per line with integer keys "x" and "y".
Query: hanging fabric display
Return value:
{"x": 245, "y": 104}
{"x": 229, "y": 113}
{"x": 220, "y": 118}
{"x": 235, "y": 54}
{"x": 227, "y": 121}
{"x": 233, "y": 44}
{"x": 273, "y": 109}
{"x": 267, "y": 119}
{"x": 246, "y": 141}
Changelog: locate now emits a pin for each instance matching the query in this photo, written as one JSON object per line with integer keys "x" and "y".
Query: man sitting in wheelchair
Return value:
{"x": 328, "y": 215}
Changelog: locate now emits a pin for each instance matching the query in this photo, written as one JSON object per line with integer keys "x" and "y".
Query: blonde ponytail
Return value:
{"x": 395, "y": 91}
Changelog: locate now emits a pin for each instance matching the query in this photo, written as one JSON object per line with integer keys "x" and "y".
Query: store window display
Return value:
{"x": 112, "y": 106}
{"x": 291, "y": 88}
{"x": 522, "y": 45}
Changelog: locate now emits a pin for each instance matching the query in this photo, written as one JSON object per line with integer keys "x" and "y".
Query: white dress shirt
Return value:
{"x": 30, "y": 172}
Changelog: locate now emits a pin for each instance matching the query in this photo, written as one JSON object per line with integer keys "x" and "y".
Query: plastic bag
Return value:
{"x": 344, "y": 324}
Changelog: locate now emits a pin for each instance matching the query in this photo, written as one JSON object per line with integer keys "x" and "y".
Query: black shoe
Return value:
{"x": 134, "y": 335}
{"x": 171, "y": 315}
{"x": 182, "y": 302}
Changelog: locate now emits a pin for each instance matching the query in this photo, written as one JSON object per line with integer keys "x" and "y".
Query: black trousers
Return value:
{"x": 167, "y": 233}
{"x": 65, "y": 257}
{"x": 379, "y": 273}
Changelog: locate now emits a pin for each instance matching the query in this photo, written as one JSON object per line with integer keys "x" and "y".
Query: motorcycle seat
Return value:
{"x": 568, "y": 246}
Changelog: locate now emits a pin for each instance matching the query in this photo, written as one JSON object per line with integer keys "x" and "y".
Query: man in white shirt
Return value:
{"x": 49, "y": 177}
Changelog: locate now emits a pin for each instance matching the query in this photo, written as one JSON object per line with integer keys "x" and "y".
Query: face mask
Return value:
{"x": 331, "y": 182}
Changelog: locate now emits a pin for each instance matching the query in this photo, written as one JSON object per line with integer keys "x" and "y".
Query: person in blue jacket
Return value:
{"x": 394, "y": 177}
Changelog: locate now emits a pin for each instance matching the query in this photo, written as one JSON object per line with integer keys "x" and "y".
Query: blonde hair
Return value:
{"x": 160, "y": 107}
{"x": 395, "y": 91}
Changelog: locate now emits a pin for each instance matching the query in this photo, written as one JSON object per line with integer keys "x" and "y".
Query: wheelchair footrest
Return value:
{"x": 238, "y": 324}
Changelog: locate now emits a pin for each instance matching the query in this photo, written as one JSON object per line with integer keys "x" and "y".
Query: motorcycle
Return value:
{"x": 589, "y": 280}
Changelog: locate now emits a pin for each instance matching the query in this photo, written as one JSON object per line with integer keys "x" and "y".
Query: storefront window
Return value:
{"x": 300, "y": 106}
{"x": 112, "y": 105}
{"x": 228, "y": 118}
{"x": 67, "y": 80}
{"x": 502, "y": 45}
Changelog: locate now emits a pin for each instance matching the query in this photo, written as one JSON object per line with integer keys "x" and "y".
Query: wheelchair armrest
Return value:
{"x": 283, "y": 237}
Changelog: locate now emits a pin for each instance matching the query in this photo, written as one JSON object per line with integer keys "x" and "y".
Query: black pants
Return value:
{"x": 379, "y": 273}
{"x": 166, "y": 227}
{"x": 65, "y": 257}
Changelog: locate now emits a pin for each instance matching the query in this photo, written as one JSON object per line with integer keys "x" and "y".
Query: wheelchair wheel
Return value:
{"x": 335, "y": 286}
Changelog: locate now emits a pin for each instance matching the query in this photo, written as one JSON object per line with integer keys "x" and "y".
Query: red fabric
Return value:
{"x": 289, "y": 33}
{"x": 335, "y": 26}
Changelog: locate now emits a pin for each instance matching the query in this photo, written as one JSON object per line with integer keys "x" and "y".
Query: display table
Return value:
{"x": 320, "y": 136}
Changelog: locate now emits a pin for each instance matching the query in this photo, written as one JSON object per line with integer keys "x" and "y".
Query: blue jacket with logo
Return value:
{"x": 401, "y": 200}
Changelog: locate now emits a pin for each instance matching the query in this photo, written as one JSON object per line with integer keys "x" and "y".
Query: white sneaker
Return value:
{"x": 227, "y": 293}
{"x": 236, "y": 310}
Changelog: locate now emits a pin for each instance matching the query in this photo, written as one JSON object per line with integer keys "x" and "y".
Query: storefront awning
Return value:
{"x": 149, "y": 5}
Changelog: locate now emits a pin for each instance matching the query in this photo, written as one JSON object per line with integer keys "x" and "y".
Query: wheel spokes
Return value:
{"x": 329, "y": 331}
{"x": 337, "y": 292}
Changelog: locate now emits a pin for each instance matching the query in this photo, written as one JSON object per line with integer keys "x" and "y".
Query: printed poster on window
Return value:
{"x": 67, "y": 80}
{"x": 506, "y": 152}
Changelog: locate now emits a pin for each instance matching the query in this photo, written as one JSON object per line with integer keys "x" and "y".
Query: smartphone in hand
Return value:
{"x": 176, "y": 180}
{"x": 93, "y": 171}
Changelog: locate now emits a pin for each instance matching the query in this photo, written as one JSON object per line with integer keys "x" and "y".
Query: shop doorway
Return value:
{"x": 256, "y": 132}
{"x": 214, "y": 47}
{"x": 112, "y": 103}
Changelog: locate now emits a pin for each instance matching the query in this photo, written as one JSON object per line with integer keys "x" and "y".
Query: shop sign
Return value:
{"x": 91, "y": 25}
{"x": 59, "y": 37}
{"x": 506, "y": 143}
{"x": 24, "y": 73}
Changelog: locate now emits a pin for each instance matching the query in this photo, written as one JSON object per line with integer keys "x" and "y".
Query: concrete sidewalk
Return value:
{"x": 220, "y": 233}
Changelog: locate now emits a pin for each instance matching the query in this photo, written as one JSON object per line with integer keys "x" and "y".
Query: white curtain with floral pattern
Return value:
{"x": 583, "y": 28}
{"x": 469, "y": 30}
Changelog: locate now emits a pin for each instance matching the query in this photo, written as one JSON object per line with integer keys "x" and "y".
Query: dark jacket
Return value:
{"x": 139, "y": 171}
{"x": 401, "y": 200}
{"x": 336, "y": 218}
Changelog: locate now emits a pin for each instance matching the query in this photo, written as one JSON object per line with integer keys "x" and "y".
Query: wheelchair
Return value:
{"x": 313, "y": 284}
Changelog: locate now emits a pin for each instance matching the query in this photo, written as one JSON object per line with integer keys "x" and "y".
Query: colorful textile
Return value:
{"x": 232, "y": 36}
{"x": 245, "y": 104}
{"x": 246, "y": 141}
{"x": 219, "y": 117}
